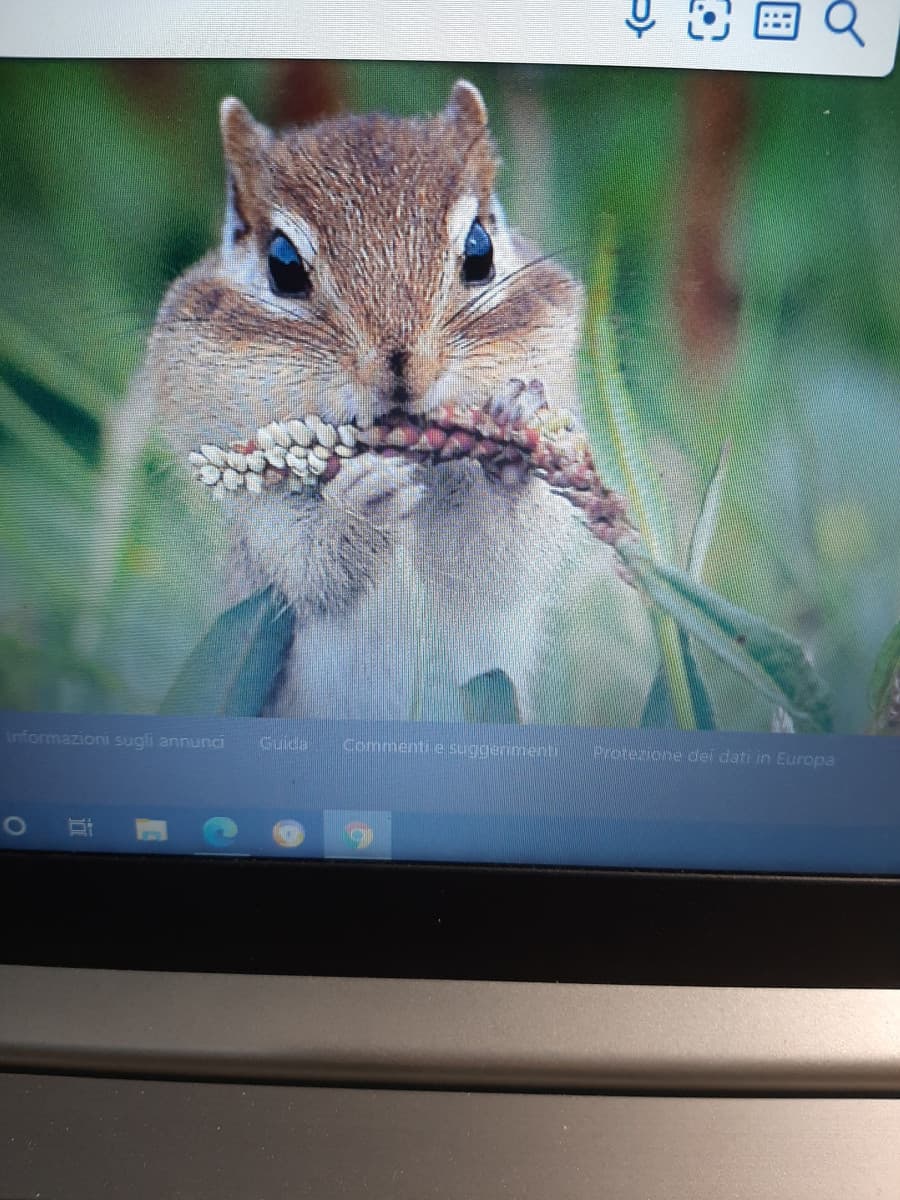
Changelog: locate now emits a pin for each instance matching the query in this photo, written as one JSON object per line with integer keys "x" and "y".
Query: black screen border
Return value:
{"x": 256, "y": 916}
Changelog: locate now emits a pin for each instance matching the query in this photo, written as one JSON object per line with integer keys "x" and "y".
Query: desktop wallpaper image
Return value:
{"x": 738, "y": 385}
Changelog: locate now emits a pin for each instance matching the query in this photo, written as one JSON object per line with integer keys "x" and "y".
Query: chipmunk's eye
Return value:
{"x": 288, "y": 275}
{"x": 478, "y": 255}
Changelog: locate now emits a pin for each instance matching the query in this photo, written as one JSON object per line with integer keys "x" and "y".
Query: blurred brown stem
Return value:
{"x": 707, "y": 298}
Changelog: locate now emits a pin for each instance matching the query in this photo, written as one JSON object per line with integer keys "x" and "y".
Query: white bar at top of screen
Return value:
{"x": 826, "y": 37}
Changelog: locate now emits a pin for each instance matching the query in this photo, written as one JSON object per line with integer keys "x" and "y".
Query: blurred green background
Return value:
{"x": 758, "y": 302}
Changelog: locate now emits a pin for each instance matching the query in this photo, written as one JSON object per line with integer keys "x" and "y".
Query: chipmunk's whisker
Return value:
{"x": 484, "y": 349}
{"x": 487, "y": 293}
{"x": 473, "y": 321}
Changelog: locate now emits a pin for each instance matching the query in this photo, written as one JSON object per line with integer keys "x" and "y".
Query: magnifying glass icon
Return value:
{"x": 840, "y": 17}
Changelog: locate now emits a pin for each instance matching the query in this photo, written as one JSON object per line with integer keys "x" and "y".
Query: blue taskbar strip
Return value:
{"x": 449, "y": 793}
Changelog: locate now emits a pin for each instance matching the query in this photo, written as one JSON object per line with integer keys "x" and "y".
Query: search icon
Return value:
{"x": 840, "y": 17}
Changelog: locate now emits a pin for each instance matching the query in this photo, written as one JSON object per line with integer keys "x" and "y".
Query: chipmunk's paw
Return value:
{"x": 517, "y": 402}
{"x": 383, "y": 489}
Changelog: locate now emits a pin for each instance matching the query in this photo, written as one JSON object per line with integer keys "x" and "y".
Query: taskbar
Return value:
{"x": 522, "y": 838}
{"x": 430, "y": 792}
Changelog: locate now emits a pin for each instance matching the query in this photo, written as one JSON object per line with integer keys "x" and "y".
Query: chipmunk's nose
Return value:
{"x": 400, "y": 371}
{"x": 398, "y": 363}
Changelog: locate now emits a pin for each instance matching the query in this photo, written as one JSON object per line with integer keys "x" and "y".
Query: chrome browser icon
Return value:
{"x": 219, "y": 832}
{"x": 359, "y": 835}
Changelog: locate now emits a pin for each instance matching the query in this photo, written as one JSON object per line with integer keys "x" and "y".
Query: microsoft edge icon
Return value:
{"x": 219, "y": 832}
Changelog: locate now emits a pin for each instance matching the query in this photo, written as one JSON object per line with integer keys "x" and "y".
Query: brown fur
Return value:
{"x": 378, "y": 195}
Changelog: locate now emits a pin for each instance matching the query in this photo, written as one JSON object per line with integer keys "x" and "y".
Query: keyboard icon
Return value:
{"x": 777, "y": 22}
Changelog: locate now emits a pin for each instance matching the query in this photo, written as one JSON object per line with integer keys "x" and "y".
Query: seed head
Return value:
{"x": 547, "y": 445}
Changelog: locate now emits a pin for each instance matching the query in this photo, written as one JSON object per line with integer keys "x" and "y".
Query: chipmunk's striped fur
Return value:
{"x": 397, "y": 572}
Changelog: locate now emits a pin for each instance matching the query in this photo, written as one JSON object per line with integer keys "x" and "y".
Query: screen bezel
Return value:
{"x": 255, "y": 916}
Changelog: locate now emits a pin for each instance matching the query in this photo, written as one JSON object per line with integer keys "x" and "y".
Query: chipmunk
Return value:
{"x": 366, "y": 265}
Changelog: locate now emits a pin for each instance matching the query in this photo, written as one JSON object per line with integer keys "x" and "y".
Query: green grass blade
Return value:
{"x": 773, "y": 663}
{"x": 705, "y": 529}
{"x": 490, "y": 699}
{"x": 658, "y": 711}
{"x": 885, "y": 686}
{"x": 615, "y": 417}
{"x": 42, "y": 441}
{"x": 37, "y": 359}
{"x": 232, "y": 670}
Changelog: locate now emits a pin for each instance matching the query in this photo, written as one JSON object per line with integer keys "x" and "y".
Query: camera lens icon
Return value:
{"x": 709, "y": 20}
{"x": 359, "y": 835}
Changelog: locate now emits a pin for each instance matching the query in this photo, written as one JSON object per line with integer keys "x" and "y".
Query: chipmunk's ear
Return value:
{"x": 243, "y": 138}
{"x": 466, "y": 109}
{"x": 244, "y": 142}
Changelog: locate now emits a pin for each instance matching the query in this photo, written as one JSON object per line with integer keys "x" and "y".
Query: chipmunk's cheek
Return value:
{"x": 347, "y": 402}
{"x": 339, "y": 403}
{"x": 458, "y": 385}
{"x": 444, "y": 390}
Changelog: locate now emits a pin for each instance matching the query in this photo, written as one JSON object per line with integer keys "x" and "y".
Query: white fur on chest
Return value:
{"x": 465, "y": 592}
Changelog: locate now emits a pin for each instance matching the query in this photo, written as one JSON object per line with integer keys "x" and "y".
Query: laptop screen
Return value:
{"x": 456, "y": 461}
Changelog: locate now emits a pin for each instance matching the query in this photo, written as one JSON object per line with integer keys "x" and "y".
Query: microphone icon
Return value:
{"x": 640, "y": 20}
